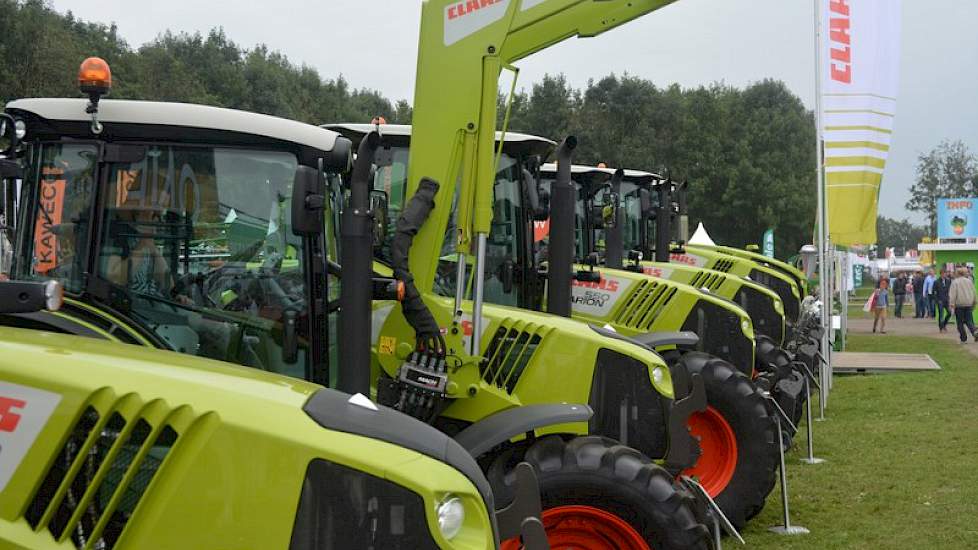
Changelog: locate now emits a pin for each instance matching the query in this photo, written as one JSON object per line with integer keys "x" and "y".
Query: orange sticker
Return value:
{"x": 387, "y": 345}
{"x": 52, "y": 196}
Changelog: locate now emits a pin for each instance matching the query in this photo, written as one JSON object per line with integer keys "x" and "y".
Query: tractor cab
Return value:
{"x": 177, "y": 217}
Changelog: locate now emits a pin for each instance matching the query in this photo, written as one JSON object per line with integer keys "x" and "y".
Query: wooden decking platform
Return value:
{"x": 847, "y": 362}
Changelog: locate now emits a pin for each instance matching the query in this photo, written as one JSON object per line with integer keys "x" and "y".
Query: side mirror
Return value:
{"x": 380, "y": 207}
{"x": 506, "y": 274}
{"x": 609, "y": 212}
{"x": 538, "y": 200}
{"x": 30, "y": 297}
{"x": 308, "y": 202}
{"x": 8, "y": 135}
{"x": 645, "y": 202}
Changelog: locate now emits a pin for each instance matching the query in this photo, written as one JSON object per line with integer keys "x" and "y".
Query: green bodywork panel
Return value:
{"x": 635, "y": 303}
{"x": 566, "y": 352}
{"x": 233, "y": 476}
{"x": 722, "y": 284}
{"x": 742, "y": 267}
{"x": 784, "y": 267}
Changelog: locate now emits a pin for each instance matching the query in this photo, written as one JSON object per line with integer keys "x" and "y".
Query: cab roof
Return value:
{"x": 187, "y": 115}
{"x": 582, "y": 169}
{"x": 400, "y": 134}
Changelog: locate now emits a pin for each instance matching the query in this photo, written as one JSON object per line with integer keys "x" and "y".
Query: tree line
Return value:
{"x": 747, "y": 153}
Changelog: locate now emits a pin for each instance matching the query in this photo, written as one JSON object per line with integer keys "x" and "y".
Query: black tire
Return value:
{"x": 744, "y": 409}
{"x": 601, "y": 473}
{"x": 784, "y": 381}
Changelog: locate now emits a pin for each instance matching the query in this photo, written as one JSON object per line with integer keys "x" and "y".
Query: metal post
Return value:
{"x": 787, "y": 528}
{"x": 825, "y": 270}
{"x": 808, "y": 418}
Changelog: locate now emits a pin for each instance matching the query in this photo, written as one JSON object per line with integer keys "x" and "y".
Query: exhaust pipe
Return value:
{"x": 560, "y": 256}
{"x": 356, "y": 258}
{"x": 663, "y": 222}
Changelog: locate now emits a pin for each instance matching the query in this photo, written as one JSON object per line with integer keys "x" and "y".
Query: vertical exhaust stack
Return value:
{"x": 560, "y": 257}
{"x": 356, "y": 258}
{"x": 613, "y": 240}
{"x": 663, "y": 221}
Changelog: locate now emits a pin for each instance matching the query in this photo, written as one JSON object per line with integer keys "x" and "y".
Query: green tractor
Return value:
{"x": 203, "y": 231}
{"x": 107, "y": 446}
{"x": 656, "y": 231}
{"x": 736, "y": 433}
{"x": 632, "y": 197}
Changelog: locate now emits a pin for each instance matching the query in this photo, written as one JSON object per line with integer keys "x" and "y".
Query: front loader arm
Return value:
{"x": 463, "y": 47}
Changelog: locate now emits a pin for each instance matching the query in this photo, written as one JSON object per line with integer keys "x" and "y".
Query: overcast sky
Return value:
{"x": 373, "y": 44}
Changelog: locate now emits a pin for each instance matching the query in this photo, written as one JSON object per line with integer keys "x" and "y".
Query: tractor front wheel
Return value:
{"x": 600, "y": 495}
{"x": 738, "y": 439}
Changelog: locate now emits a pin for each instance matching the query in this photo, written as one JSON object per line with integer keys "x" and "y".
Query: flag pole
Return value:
{"x": 824, "y": 263}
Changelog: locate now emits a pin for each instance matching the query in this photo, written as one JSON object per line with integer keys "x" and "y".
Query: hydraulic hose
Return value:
{"x": 560, "y": 256}
{"x": 613, "y": 240}
{"x": 356, "y": 256}
{"x": 417, "y": 314}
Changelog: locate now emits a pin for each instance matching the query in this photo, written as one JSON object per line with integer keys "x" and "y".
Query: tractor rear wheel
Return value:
{"x": 738, "y": 439}
{"x": 785, "y": 382}
{"x": 600, "y": 495}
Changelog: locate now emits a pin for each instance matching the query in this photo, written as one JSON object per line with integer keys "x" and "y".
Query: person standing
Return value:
{"x": 918, "y": 295}
{"x": 899, "y": 294}
{"x": 962, "y": 299}
{"x": 929, "y": 294}
{"x": 942, "y": 288}
{"x": 880, "y": 305}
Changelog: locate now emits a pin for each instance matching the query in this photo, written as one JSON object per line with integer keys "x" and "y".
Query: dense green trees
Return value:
{"x": 748, "y": 154}
{"x": 947, "y": 171}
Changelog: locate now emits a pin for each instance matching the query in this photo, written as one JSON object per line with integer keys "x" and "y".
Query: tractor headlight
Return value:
{"x": 451, "y": 516}
{"x": 21, "y": 128}
{"x": 658, "y": 375}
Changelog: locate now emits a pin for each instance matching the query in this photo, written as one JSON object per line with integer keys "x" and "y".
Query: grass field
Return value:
{"x": 902, "y": 453}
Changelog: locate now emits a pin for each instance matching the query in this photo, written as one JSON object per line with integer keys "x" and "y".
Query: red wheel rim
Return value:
{"x": 718, "y": 461}
{"x": 586, "y": 528}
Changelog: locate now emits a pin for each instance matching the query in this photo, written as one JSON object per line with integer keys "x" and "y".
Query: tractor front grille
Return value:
{"x": 760, "y": 307}
{"x": 644, "y": 304}
{"x": 97, "y": 479}
{"x": 708, "y": 279}
{"x": 722, "y": 265}
{"x": 626, "y": 406}
{"x": 792, "y": 308}
{"x": 510, "y": 351}
{"x": 721, "y": 335}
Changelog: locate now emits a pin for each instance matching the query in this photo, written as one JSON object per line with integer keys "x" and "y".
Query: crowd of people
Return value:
{"x": 940, "y": 297}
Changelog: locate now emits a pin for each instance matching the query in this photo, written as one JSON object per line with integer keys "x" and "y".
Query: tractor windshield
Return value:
{"x": 194, "y": 243}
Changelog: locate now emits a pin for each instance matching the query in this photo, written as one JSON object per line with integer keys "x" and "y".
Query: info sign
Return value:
{"x": 957, "y": 218}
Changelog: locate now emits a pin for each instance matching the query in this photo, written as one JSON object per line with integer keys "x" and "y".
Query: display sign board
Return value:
{"x": 957, "y": 218}
{"x": 769, "y": 243}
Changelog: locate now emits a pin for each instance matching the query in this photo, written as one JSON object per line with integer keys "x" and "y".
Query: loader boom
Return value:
{"x": 463, "y": 47}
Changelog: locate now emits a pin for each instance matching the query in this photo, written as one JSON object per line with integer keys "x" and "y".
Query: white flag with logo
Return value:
{"x": 860, "y": 77}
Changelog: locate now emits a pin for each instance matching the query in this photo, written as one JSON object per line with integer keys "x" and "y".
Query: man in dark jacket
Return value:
{"x": 899, "y": 293}
{"x": 920, "y": 309}
{"x": 941, "y": 288}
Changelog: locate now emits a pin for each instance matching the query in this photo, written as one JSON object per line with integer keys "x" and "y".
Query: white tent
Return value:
{"x": 700, "y": 236}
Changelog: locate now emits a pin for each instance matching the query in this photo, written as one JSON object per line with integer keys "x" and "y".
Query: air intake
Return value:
{"x": 722, "y": 265}
{"x": 97, "y": 479}
{"x": 644, "y": 304}
{"x": 510, "y": 351}
{"x": 708, "y": 279}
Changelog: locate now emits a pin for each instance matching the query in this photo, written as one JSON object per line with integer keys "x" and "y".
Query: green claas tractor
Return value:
{"x": 738, "y": 460}
{"x": 652, "y": 228}
{"x": 105, "y": 446}
{"x": 203, "y": 231}
{"x": 610, "y": 244}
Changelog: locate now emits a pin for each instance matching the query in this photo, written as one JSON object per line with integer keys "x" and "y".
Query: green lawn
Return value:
{"x": 902, "y": 468}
